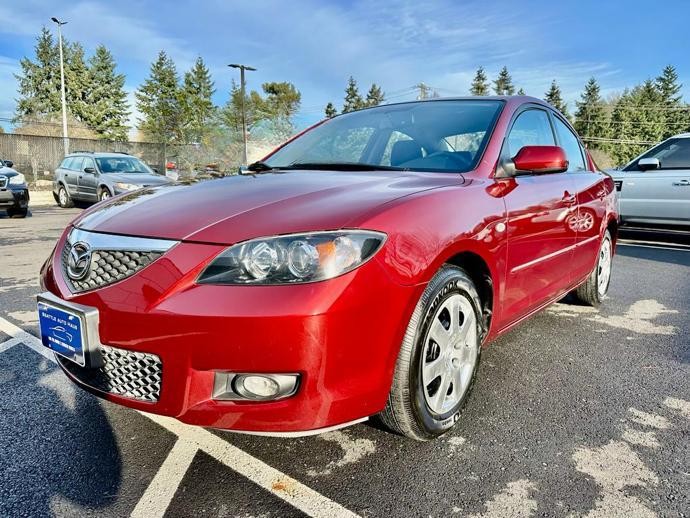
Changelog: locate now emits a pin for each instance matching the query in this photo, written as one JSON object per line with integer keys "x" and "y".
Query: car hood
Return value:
{"x": 8, "y": 171}
{"x": 232, "y": 209}
{"x": 137, "y": 178}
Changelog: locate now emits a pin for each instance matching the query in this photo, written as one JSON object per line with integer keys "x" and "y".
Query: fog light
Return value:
{"x": 257, "y": 387}
{"x": 260, "y": 387}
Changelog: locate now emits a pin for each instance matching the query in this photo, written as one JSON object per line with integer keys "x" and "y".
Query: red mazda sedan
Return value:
{"x": 356, "y": 271}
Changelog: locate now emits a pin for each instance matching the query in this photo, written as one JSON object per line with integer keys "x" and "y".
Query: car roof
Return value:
{"x": 98, "y": 154}
{"x": 681, "y": 135}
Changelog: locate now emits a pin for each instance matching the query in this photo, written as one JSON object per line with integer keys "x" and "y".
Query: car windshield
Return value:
{"x": 439, "y": 135}
{"x": 122, "y": 164}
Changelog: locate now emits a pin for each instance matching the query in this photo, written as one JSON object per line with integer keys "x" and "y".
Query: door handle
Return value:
{"x": 682, "y": 183}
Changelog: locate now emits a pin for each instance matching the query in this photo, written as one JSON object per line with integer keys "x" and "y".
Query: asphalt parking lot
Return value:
{"x": 577, "y": 412}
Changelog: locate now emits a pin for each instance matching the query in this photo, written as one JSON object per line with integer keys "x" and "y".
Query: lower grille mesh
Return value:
{"x": 131, "y": 374}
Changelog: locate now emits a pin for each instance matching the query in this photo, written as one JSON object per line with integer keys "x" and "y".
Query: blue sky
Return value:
{"x": 318, "y": 44}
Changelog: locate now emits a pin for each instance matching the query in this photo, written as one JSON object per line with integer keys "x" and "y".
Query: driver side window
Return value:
{"x": 531, "y": 128}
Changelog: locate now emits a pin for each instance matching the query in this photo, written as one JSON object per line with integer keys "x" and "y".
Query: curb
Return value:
{"x": 41, "y": 198}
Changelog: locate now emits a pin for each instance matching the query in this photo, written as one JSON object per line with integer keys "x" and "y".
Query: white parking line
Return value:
{"x": 191, "y": 438}
{"x": 161, "y": 491}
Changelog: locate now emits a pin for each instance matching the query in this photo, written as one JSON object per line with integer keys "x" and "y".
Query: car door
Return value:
{"x": 88, "y": 181}
{"x": 590, "y": 190}
{"x": 658, "y": 196}
{"x": 70, "y": 176}
{"x": 540, "y": 241}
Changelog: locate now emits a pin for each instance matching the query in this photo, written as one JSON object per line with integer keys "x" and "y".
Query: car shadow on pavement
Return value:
{"x": 679, "y": 257}
{"x": 59, "y": 453}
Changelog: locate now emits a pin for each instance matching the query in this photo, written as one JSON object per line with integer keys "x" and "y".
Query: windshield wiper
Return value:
{"x": 259, "y": 167}
{"x": 340, "y": 166}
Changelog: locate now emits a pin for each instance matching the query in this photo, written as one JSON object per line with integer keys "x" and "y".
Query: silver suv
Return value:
{"x": 91, "y": 177}
{"x": 654, "y": 189}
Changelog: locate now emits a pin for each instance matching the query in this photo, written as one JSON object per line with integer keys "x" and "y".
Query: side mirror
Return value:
{"x": 540, "y": 160}
{"x": 89, "y": 170}
{"x": 647, "y": 164}
{"x": 8, "y": 163}
{"x": 155, "y": 170}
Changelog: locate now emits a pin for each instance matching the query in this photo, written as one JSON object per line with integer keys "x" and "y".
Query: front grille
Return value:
{"x": 3, "y": 182}
{"x": 130, "y": 374}
{"x": 107, "y": 267}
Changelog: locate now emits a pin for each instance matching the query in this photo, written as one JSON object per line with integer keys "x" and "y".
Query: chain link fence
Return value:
{"x": 37, "y": 157}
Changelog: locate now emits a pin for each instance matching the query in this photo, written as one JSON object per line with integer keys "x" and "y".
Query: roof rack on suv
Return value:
{"x": 80, "y": 151}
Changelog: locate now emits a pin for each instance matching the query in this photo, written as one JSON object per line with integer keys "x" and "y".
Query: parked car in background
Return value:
{"x": 14, "y": 192}
{"x": 358, "y": 270}
{"x": 90, "y": 177}
{"x": 654, "y": 188}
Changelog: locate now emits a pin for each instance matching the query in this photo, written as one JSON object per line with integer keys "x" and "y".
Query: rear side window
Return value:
{"x": 568, "y": 141}
{"x": 531, "y": 128}
{"x": 76, "y": 164}
{"x": 65, "y": 163}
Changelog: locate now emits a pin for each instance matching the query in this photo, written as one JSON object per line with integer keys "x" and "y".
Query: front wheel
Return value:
{"x": 63, "y": 198}
{"x": 104, "y": 194}
{"x": 593, "y": 290}
{"x": 17, "y": 213}
{"x": 438, "y": 359}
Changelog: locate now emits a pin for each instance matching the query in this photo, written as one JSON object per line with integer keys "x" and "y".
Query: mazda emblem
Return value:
{"x": 79, "y": 261}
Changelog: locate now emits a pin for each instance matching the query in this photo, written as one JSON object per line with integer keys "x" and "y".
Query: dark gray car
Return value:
{"x": 91, "y": 177}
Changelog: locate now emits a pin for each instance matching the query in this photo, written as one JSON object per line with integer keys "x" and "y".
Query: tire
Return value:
{"x": 417, "y": 405}
{"x": 63, "y": 198}
{"x": 17, "y": 213}
{"x": 593, "y": 290}
{"x": 104, "y": 194}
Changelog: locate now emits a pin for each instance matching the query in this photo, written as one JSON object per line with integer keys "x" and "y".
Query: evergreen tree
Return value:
{"x": 649, "y": 119}
{"x": 590, "y": 117}
{"x": 330, "y": 111}
{"x": 281, "y": 103}
{"x": 521, "y": 91}
{"x": 274, "y": 112}
{"x": 77, "y": 83}
{"x": 39, "y": 81}
{"x": 480, "y": 83}
{"x": 374, "y": 96}
{"x": 158, "y": 101}
{"x": 677, "y": 114}
{"x": 353, "y": 99}
{"x": 554, "y": 97}
{"x": 196, "y": 102}
{"x": 503, "y": 84}
{"x": 106, "y": 98}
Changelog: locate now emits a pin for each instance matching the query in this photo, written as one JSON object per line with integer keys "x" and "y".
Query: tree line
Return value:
{"x": 174, "y": 109}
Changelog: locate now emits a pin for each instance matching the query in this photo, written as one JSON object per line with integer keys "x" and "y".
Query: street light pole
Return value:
{"x": 65, "y": 138}
{"x": 244, "y": 113}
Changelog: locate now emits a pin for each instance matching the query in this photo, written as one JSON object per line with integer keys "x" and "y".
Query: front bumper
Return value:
{"x": 341, "y": 336}
{"x": 14, "y": 197}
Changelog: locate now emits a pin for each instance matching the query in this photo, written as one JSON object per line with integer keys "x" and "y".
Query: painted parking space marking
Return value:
{"x": 191, "y": 438}
{"x": 161, "y": 491}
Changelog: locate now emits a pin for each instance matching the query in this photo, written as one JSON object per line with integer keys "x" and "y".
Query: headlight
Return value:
{"x": 126, "y": 186}
{"x": 292, "y": 259}
{"x": 17, "y": 179}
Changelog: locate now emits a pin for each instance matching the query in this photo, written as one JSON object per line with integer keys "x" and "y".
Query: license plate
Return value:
{"x": 63, "y": 331}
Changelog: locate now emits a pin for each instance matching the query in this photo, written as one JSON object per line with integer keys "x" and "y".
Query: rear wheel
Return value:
{"x": 438, "y": 358}
{"x": 104, "y": 194}
{"x": 63, "y": 198}
{"x": 593, "y": 290}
